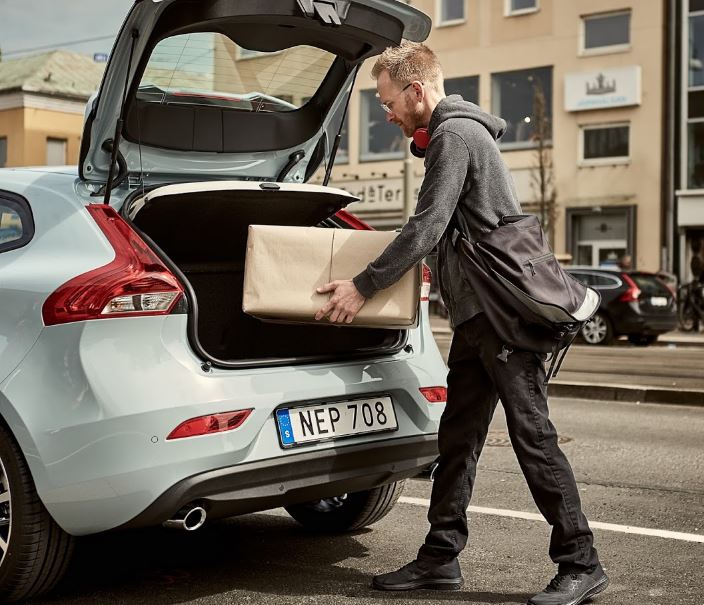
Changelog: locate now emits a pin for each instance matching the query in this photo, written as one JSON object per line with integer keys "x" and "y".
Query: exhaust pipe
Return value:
{"x": 189, "y": 518}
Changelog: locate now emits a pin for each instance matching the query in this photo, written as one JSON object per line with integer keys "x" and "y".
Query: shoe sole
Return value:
{"x": 422, "y": 584}
{"x": 592, "y": 592}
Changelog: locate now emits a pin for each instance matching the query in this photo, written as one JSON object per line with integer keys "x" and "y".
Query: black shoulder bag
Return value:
{"x": 530, "y": 300}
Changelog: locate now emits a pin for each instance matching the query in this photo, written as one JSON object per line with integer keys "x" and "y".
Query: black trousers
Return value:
{"x": 477, "y": 379}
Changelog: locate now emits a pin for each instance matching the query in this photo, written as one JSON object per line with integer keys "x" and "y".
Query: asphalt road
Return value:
{"x": 637, "y": 465}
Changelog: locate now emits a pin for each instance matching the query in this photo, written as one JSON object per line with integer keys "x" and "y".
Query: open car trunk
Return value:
{"x": 202, "y": 228}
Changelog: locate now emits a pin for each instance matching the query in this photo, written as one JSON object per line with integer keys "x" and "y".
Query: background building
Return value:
{"x": 600, "y": 67}
{"x": 42, "y": 100}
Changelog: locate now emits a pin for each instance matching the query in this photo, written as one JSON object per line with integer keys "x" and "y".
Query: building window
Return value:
{"x": 520, "y": 7}
{"x": 380, "y": 140}
{"x": 601, "y": 236}
{"x": 606, "y": 33}
{"x": 695, "y": 103}
{"x": 56, "y": 152}
{"x": 3, "y": 151}
{"x": 515, "y": 98}
{"x": 467, "y": 87}
{"x": 450, "y": 12}
{"x": 605, "y": 143}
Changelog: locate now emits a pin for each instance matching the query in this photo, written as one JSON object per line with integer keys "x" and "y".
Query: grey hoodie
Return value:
{"x": 463, "y": 169}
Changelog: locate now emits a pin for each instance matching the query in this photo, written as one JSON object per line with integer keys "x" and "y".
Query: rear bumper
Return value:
{"x": 272, "y": 483}
{"x": 633, "y": 319}
{"x": 644, "y": 324}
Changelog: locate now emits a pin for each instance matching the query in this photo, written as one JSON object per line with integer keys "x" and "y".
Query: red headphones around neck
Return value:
{"x": 421, "y": 139}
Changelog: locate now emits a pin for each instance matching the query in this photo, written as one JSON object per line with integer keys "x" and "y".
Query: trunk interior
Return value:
{"x": 204, "y": 233}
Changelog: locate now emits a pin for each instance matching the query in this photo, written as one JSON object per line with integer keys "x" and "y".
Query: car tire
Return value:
{"x": 687, "y": 316}
{"x": 598, "y": 331}
{"x": 35, "y": 551}
{"x": 347, "y": 512}
{"x": 642, "y": 340}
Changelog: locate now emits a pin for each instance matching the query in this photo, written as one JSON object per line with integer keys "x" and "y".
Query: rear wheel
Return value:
{"x": 598, "y": 331}
{"x": 34, "y": 550}
{"x": 687, "y": 316}
{"x": 349, "y": 511}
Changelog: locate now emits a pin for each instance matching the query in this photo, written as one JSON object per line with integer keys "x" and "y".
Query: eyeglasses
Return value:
{"x": 386, "y": 107}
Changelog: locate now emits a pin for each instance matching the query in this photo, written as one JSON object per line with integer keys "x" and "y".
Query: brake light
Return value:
{"x": 212, "y": 423}
{"x": 633, "y": 292}
{"x": 352, "y": 221}
{"x": 434, "y": 394}
{"x": 135, "y": 283}
{"x": 425, "y": 285}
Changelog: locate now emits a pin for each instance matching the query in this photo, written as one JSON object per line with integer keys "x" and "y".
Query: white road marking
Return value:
{"x": 517, "y": 514}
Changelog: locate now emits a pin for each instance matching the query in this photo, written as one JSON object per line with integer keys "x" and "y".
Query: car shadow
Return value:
{"x": 242, "y": 557}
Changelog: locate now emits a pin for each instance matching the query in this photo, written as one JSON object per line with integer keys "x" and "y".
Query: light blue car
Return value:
{"x": 133, "y": 389}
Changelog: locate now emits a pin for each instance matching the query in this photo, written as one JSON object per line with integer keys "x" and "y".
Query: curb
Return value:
{"x": 621, "y": 392}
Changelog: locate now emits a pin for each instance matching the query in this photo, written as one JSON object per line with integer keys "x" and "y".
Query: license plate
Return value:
{"x": 311, "y": 423}
{"x": 658, "y": 301}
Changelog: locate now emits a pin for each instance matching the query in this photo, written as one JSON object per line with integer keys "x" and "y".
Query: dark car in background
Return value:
{"x": 636, "y": 304}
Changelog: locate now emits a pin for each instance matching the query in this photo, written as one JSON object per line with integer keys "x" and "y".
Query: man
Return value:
{"x": 464, "y": 170}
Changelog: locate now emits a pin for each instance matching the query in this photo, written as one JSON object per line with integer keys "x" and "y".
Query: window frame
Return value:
{"x": 611, "y": 48}
{"x": 4, "y": 138}
{"x": 582, "y": 161}
{"x": 438, "y": 15}
{"x": 21, "y": 206}
{"x": 364, "y": 154}
{"x": 687, "y": 122}
{"x": 524, "y": 145}
{"x": 510, "y": 12}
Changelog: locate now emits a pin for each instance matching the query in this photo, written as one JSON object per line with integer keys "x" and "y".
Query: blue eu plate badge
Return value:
{"x": 285, "y": 428}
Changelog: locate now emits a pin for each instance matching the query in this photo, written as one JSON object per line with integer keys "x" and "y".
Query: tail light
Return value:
{"x": 434, "y": 394}
{"x": 633, "y": 292}
{"x": 352, "y": 221}
{"x": 425, "y": 285}
{"x": 212, "y": 423}
{"x": 135, "y": 283}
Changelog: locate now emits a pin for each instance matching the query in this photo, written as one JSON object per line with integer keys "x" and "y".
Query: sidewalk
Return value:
{"x": 667, "y": 372}
{"x": 440, "y": 325}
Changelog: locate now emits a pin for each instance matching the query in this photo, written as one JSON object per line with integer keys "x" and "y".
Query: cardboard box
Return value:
{"x": 285, "y": 265}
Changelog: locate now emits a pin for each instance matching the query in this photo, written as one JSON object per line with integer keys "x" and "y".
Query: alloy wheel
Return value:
{"x": 5, "y": 513}
{"x": 595, "y": 331}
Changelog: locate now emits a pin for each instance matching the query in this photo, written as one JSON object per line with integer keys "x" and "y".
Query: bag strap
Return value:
{"x": 459, "y": 227}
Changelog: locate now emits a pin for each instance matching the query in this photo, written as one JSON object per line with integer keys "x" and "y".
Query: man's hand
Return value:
{"x": 344, "y": 304}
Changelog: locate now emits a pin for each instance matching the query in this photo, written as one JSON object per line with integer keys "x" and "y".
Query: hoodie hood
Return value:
{"x": 455, "y": 106}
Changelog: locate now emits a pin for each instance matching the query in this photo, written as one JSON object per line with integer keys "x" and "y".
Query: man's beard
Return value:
{"x": 415, "y": 116}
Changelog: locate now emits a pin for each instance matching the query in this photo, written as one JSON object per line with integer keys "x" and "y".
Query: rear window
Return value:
{"x": 210, "y": 69}
{"x": 649, "y": 284}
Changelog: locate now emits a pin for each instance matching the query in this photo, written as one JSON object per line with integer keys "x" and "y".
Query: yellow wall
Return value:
{"x": 12, "y": 127}
{"x": 27, "y": 131}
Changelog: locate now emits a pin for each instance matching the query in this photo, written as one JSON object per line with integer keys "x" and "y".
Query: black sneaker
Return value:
{"x": 420, "y": 574}
{"x": 572, "y": 589}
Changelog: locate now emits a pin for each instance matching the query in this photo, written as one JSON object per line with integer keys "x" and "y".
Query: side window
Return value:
{"x": 583, "y": 277}
{"x": 604, "y": 281}
{"x": 16, "y": 223}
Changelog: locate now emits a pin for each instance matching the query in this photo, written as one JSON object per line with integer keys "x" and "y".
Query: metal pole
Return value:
{"x": 408, "y": 185}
